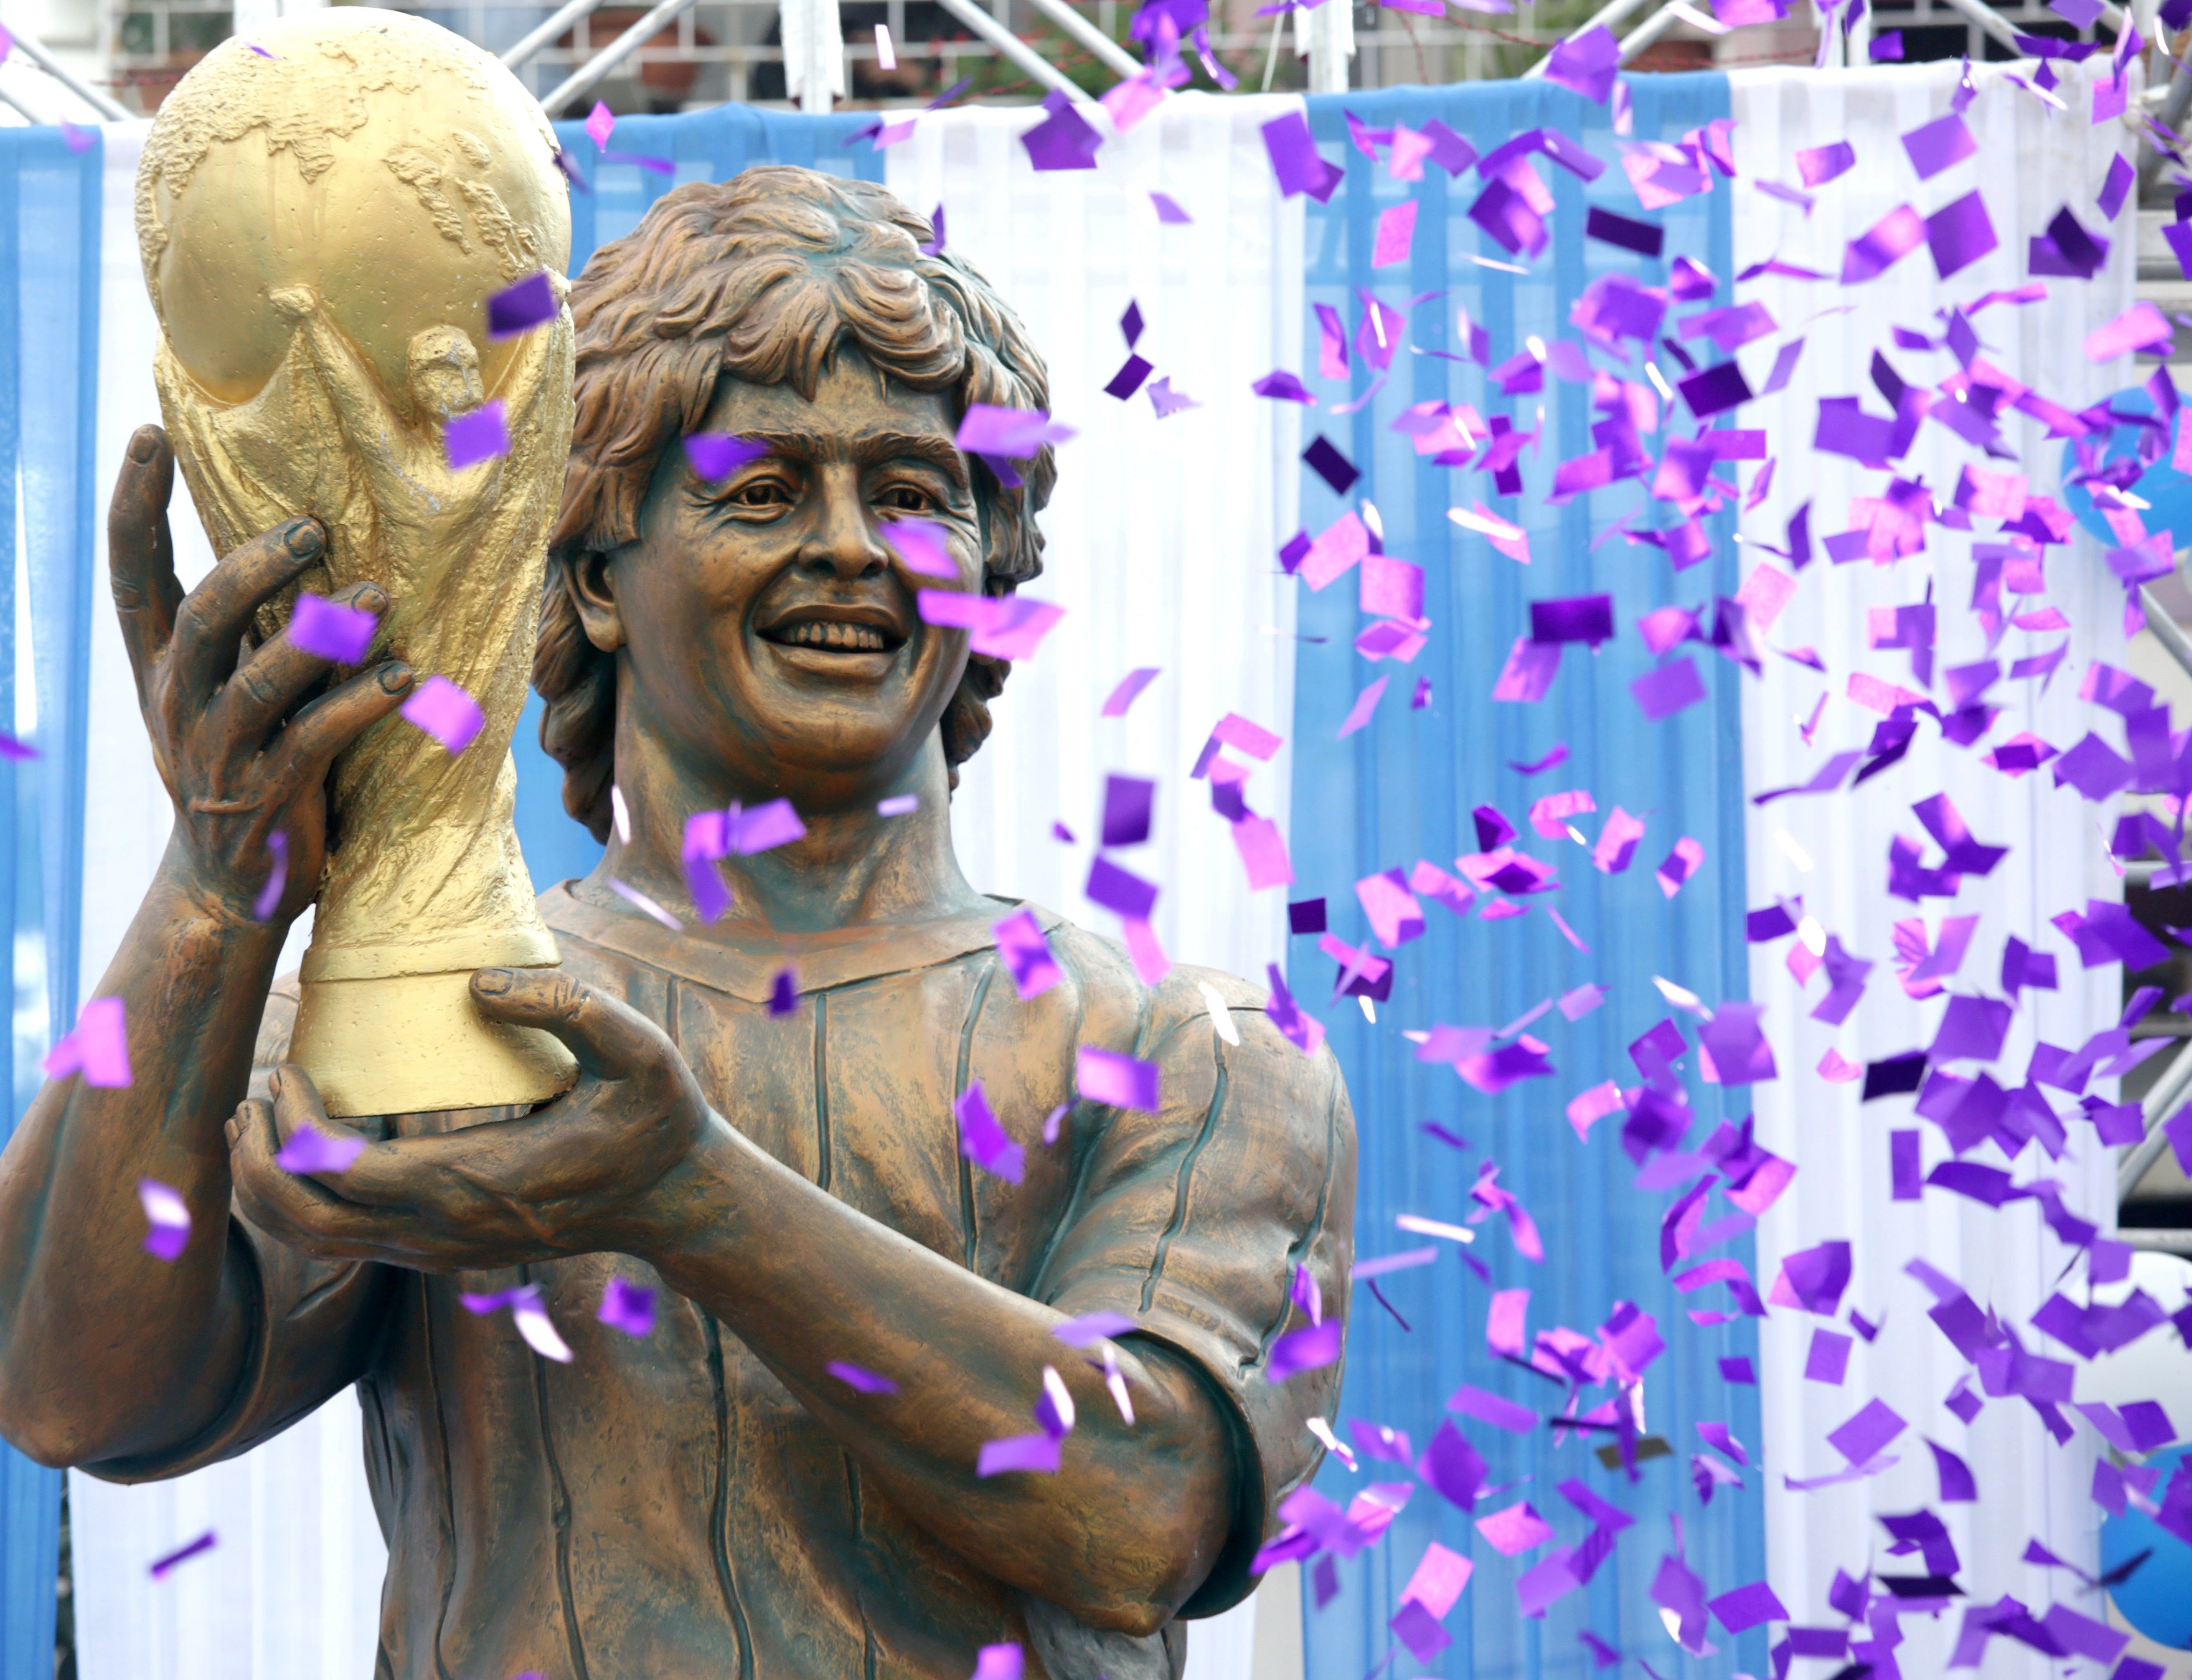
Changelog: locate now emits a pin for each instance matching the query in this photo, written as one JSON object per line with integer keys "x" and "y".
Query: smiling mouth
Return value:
{"x": 828, "y": 636}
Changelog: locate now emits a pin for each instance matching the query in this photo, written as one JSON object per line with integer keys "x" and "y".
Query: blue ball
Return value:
{"x": 2157, "y": 1600}
{"x": 2162, "y": 484}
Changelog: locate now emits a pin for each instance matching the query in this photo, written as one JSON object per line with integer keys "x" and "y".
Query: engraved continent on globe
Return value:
{"x": 393, "y": 166}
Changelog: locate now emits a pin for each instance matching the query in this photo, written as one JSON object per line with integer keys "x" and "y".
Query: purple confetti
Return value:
{"x": 984, "y": 1141}
{"x": 162, "y": 1566}
{"x": 481, "y": 435}
{"x": 627, "y": 1306}
{"x": 331, "y": 630}
{"x": 520, "y": 308}
{"x": 310, "y": 1150}
{"x": 857, "y": 1377}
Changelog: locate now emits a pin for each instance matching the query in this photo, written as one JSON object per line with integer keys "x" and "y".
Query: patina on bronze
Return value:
{"x": 710, "y": 1499}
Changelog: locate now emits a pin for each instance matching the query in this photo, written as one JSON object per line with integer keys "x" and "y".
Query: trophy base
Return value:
{"x": 417, "y": 1045}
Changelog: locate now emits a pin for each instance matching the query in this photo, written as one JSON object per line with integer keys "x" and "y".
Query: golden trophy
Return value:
{"x": 323, "y": 212}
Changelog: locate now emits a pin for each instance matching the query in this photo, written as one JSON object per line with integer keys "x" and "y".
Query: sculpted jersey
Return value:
{"x": 663, "y": 1508}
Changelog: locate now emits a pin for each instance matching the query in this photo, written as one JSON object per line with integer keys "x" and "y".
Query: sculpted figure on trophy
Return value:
{"x": 737, "y": 1270}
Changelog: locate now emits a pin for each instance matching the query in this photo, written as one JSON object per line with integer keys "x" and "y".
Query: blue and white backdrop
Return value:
{"x": 1162, "y": 546}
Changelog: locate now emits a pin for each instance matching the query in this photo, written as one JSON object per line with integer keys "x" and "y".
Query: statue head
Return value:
{"x": 797, "y": 307}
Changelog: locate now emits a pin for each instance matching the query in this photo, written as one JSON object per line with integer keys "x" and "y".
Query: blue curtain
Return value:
{"x": 48, "y": 381}
{"x": 703, "y": 146}
{"x": 1402, "y": 789}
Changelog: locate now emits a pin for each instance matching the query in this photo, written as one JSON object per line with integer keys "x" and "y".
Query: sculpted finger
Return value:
{"x": 141, "y": 552}
{"x": 489, "y": 1176}
{"x": 611, "y": 1040}
{"x": 211, "y": 622}
{"x": 298, "y": 1210}
{"x": 272, "y": 680}
{"x": 337, "y": 718}
{"x": 296, "y": 1100}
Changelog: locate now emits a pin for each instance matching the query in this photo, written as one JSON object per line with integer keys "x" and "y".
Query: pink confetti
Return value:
{"x": 446, "y": 712}
{"x": 1515, "y": 1530}
{"x": 98, "y": 1047}
{"x": 1397, "y": 232}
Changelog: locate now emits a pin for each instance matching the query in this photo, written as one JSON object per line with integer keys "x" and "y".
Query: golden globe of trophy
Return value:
{"x": 323, "y": 211}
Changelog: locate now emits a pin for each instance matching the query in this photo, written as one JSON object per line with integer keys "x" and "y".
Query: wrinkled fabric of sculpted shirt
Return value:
{"x": 662, "y": 1508}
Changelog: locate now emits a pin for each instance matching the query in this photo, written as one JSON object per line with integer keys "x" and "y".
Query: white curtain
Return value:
{"x": 1163, "y": 536}
{"x": 2030, "y": 162}
{"x": 1162, "y": 546}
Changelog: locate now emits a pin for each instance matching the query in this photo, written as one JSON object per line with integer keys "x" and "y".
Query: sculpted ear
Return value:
{"x": 590, "y": 583}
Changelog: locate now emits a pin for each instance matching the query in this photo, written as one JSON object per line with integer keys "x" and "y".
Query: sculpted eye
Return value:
{"x": 761, "y": 493}
{"x": 905, "y": 498}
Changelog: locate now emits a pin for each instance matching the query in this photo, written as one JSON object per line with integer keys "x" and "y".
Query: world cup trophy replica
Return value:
{"x": 323, "y": 212}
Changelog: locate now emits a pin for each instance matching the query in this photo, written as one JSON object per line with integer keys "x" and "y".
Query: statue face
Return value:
{"x": 771, "y": 640}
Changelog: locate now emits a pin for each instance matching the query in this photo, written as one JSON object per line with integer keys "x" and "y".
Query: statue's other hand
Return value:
{"x": 242, "y": 737}
{"x": 595, "y": 1170}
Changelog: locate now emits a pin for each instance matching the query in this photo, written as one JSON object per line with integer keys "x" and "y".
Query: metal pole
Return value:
{"x": 91, "y": 96}
{"x": 1857, "y": 40}
{"x": 1608, "y": 15}
{"x": 23, "y": 110}
{"x": 1331, "y": 44}
{"x": 524, "y": 50}
{"x": 1017, "y": 50}
{"x": 2163, "y": 1241}
{"x": 583, "y": 79}
{"x": 2165, "y": 629}
{"x": 1985, "y": 17}
{"x": 2168, "y": 1091}
{"x": 1060, "y": 13}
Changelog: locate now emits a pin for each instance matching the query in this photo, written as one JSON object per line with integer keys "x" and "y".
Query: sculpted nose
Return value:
{"x": 844, "y": 540}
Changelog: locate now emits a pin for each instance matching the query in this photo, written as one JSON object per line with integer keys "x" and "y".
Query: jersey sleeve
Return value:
{"x": 1191, "y": 1220}
{"x": 313, "y": 1323}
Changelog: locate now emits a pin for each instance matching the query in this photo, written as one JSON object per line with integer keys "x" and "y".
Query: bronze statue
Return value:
{"x": 779, "y": 1478}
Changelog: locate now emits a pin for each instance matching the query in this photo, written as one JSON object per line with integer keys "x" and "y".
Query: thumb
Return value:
{"x": 612, "y": 1040}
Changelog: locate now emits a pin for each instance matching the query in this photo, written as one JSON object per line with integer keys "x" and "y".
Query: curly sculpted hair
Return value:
{"x": 765, "y": 277}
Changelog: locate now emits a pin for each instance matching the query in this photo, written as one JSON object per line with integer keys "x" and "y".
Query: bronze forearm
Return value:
{"x": 103, "y": 1349}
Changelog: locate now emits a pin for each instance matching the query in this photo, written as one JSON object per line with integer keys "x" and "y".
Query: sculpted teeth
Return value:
{"x": 849, "y": 637}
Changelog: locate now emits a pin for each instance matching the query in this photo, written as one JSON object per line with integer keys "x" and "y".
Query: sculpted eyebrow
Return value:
{"x": 937, "y": 452}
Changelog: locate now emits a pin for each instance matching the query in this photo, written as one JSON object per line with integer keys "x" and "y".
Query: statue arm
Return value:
{"x": 107, "y": 1351}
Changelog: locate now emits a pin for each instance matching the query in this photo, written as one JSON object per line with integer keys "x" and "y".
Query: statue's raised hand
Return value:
{"x": 242, "y": 737}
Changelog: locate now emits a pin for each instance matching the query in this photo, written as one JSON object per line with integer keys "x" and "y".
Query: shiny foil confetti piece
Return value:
{"x": 166, "y": 1220}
